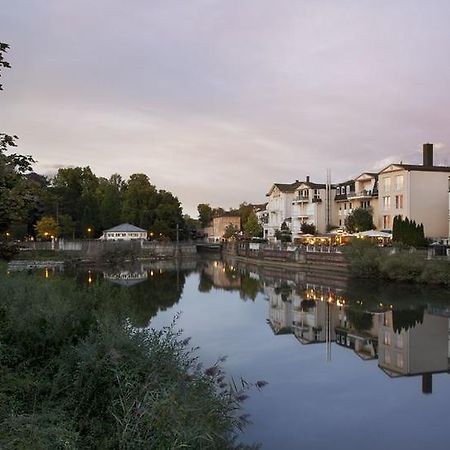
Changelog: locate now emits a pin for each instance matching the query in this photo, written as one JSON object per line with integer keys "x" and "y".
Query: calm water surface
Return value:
{"x": 355, "y": 365}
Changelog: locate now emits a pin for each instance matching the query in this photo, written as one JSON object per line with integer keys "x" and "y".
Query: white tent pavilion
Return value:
{"x": 374, "y": 234}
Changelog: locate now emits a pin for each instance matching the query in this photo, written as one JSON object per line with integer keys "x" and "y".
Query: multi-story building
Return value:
{"x": 216, "y": 229}
{"x": 362, "y": 192}
{"x": 419, "y": 192}
{"x": 279, "y": 207}
{"x": 310, "y": 205}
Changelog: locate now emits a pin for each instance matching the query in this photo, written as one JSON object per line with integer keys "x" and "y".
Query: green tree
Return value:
{"x": 284, "y": 234}
{"x": 15, "y": 195}
{"x": 67, "y": 226}
{"x": 47, "y": 227}
{"x": 252, "y": 227}
{"x": 205, "y": 214}
{"x": 139, "y": 201}
{"x": 245, "y": 211}
{"x": 75, "y": 191}
{"x": 231, "y": 231}
{"x": 360, "y": 219}
{"x": 110, "y": 199}
{"x": 308, "y": 228}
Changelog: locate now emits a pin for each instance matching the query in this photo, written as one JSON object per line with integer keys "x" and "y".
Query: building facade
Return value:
{"x": 124, "y": 232}
{"x": 216, "y": 230}
{"x": 419, "y": 192}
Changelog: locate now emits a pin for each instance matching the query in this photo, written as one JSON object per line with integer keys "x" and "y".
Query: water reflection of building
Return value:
{"x": 306, "y": 312}
{"x": 359, "y": 331}
{"x": 281, "y": 313}
{"x": 126, "y": 277}
{"x": 222, "y": 275}
{"x": 420, "y": 347}
{"x": 406, "y": 342}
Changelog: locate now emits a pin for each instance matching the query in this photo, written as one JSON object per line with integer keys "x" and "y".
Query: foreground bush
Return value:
{"x": 75, "y": 375}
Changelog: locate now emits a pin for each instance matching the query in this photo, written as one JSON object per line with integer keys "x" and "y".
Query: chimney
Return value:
{"x": 428, "y": 155}
{"x": 307, "y": 178}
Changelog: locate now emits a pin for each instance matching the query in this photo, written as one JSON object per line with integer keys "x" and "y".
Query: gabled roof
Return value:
{"x": 311, "y": 185}
{"x": 370, "y": 174}
{"x": 259, "y": 207}
{"x": 344, "y": 183}
{"x": 284, "y": 187}
{"x": 125, "y": 228}
{"x": 417, "y": 167}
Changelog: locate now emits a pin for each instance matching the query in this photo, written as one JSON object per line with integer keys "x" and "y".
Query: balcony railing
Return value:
{"x": 362, "y": 194}
{"x": 300, "y": 198}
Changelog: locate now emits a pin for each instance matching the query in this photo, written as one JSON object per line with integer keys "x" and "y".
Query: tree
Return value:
{"x": 15, "y": 197}
{"x": 139, "y": 201}
{"x": 231, "y": 231}
{"x": 407, "y": 232}
{"x": 47, "y": 228}
{"x": 360, "y": 219}
{"x": 110, "y": 197}
{"x": 252, "y": 227}
{"x": 75, "y": 191}
{"x": 67, "y": 226}
{"x": 245, "y": 211}
{"x": 205, "y": 214}
{"x": 3, "y": 64}
{"x": 308, "y": 228}
{"x": 284, "y": 234}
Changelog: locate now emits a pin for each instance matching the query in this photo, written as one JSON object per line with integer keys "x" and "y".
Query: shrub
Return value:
{"x": 402, "y": 266}
{"x": 363, "y": 258}
{"x": 75, "y": 374}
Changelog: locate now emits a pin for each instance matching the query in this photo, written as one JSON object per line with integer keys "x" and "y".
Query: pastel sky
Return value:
{"x": 217, "y": 99}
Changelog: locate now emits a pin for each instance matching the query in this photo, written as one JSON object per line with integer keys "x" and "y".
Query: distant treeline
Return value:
{"x": 83, "y": 205}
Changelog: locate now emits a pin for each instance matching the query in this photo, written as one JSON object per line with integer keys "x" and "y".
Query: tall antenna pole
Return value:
{"x": 328, "y": 199}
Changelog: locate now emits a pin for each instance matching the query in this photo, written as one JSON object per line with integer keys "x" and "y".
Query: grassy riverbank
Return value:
{"x": 75, "y": 375}
{"x": 368, "y": 261}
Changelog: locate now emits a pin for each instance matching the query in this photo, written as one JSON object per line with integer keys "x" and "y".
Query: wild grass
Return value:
{"x": 74, "y": 374}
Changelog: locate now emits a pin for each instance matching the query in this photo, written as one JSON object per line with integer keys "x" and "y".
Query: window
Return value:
{"x": 387, "y": 357}
{"x": 399, "y": 341}
{"x": 400, "y": 360}
{"x": 399, "y": 182}
{"x": 386, "y": 222}
{"x": 387, "y": 338}
{"x": 387, "y": 184}
{"x": 399, "y": 201}
{"x": 387, "y": 202}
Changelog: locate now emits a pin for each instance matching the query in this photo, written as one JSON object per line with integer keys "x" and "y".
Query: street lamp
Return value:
{"x": 8, "y": 234}
{"x": 89, "y": 230}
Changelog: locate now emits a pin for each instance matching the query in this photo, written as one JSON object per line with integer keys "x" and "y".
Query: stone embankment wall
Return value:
{"x": 304, "y": 258}
{"x": 99, "y": 249}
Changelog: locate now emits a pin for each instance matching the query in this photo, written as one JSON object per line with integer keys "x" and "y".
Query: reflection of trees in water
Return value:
{"x": 158, "y": 293}
{"x": 247, "y": 286}
{"x": 206, "y": 283}
{"x": 400, "y": 295}
{"x": 250, "y": 287}
{"x": 360, "y": 320}
{"x": 407, "y": 318}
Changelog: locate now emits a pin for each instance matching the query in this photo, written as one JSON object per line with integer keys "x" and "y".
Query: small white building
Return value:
{"x": 124, "y": 232}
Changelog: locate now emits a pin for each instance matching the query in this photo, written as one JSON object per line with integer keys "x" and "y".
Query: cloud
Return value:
{"x": 217, "y": 100}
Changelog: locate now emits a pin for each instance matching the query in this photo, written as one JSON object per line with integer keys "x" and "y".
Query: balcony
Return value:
{"x": 317, "y": 200}
{"x": 300, "y": 199}
{"x": 365, "y": 193}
